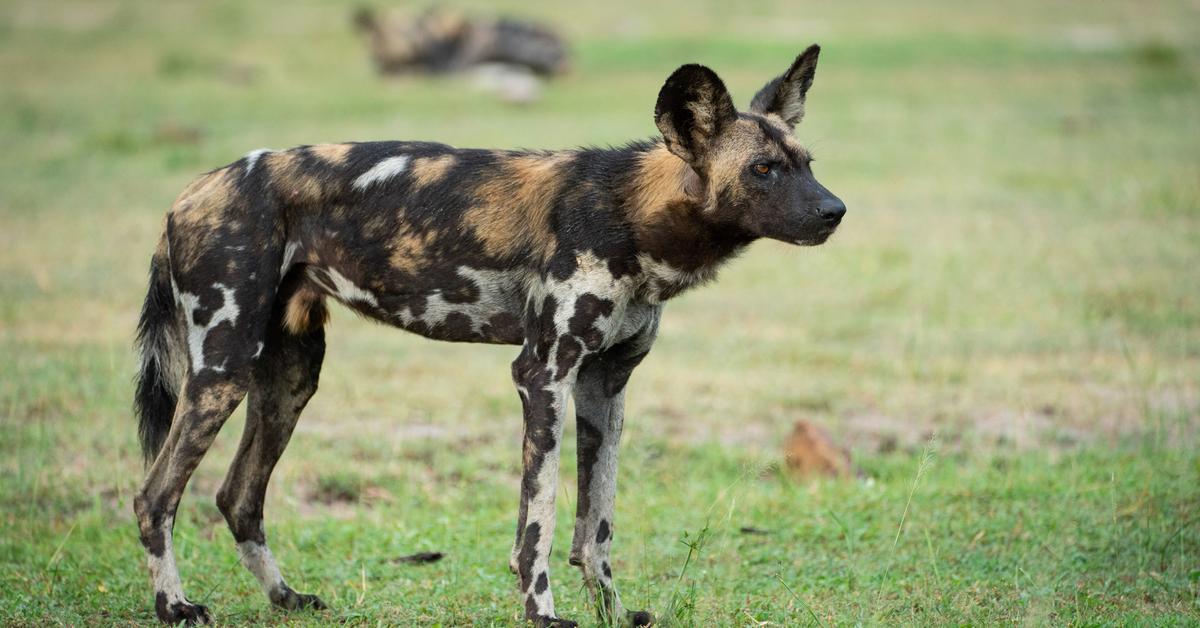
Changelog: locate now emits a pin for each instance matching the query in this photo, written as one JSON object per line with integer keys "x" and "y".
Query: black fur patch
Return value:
{"x": 693, "y": 89}
{"x": 615, "y": 366}
{"x": 543, "y": 328}
{"x": 567, "y": 356}
{"x": 155, "y": 542}
{"x": 179, "y": 612}
{"x": 528, "y": 553}
{"x": 154, "y": 399}
{"x": 503, "y": 327}
{"x": 602, "y": 532}
{"x": 589, "y": 440}
{"x": 589, "y": 308}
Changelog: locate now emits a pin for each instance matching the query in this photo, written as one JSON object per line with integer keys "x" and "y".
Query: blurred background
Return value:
{"x": 1004, "y": 335}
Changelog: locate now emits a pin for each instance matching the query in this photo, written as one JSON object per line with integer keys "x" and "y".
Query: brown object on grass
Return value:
{"x": 810, "y": 451}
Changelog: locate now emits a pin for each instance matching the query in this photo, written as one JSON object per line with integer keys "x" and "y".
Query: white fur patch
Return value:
{"x": 163, "y": 572}
{"x": 344, "y": 289}
{"x": 197, "y": 333}
{"x": 495, "y": 289}
{"x": 382, "y": 171}
{"x": 591, "y": 277}
{"x": 289, "y": 252}
{"x": 659, "y": 276}
{"x": 252, "y": 158}
{"x": 258, "y": 559}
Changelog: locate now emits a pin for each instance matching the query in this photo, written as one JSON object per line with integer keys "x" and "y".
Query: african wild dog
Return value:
{"x": 570, "y": 254}
{"x": 444, "y": 40}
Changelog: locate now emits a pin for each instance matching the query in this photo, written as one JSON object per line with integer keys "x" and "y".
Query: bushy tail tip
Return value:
{"x": 160, "y": 367}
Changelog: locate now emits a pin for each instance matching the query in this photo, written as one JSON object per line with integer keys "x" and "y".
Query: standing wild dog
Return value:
{"x": 569, "y": 254}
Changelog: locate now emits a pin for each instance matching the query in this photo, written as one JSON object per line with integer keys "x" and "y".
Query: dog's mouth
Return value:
{"x": 818, "y": 237}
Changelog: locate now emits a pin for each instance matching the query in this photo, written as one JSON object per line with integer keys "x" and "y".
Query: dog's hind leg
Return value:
{"x": 284, "y": 378}
{"x": 206, "y": 401}
{"x": 600, "y": 409}
{"x": 224, "y": 321}
{"x": 222, "y": 256}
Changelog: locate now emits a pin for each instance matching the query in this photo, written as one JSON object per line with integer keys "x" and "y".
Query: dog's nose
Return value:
{"x": 832, "y": 209}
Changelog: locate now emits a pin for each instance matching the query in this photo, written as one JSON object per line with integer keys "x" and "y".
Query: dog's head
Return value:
{"x": 757, "y": 177}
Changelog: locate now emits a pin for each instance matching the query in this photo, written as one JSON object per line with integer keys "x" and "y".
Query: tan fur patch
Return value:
{"x": 218, "y": 397}
{"x": 514, "y": 209}
{"x": 200, "y": 210}
{"x": 338, "y": 211}
{"x": 290, "y": 182}
{"x": 305, "y": 312}
{"x": 429, "y": 170}
{"x": 742, "y": 142}
{"x": 333, "y": 154}
{"x": 444, "y": 24}
{"x": 377, "y": 224}
{"x": 788, "y": 135}
{"x": 187, "y": 197}
{"x": 383, "y": 45}
{"x": 209, "y": 194}
{"x": 409, "y": 251}
{"x": 661, "y": 180}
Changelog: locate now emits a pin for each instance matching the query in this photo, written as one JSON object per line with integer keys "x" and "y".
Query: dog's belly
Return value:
{"x": 477, "y": 306}
{"x": 463, "y": 304}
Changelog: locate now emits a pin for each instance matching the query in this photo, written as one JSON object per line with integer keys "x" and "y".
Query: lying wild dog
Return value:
{"x": 570, "y": 254}
{"x": 442, "y": 40}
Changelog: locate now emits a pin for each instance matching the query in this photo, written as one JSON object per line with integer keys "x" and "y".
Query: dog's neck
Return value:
{"x": 670, "y": 211}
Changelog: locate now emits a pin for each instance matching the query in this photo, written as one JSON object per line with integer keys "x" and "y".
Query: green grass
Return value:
{"x": 1017, "y": 274}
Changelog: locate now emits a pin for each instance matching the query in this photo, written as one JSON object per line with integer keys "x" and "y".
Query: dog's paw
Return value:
{"x": 184, "y": 613}
{"x": 639, "y": 618}
{"x": 289, "y": 600}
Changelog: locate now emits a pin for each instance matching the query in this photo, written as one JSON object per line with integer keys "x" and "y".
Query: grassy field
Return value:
{"x": 1005, "y": 332}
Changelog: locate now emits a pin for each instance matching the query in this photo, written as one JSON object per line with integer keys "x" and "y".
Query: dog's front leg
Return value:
{"x": 600, "y": 415}
{"x": 599, "y": 420}
{"x": 544, "y": 379}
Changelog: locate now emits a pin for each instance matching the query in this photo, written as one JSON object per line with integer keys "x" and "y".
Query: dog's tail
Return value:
{"x": 162, "y": 357}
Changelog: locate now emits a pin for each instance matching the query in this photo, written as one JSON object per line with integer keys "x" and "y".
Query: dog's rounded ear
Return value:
{"x": 693, "y": 108}
{"x": 784, "y": 94}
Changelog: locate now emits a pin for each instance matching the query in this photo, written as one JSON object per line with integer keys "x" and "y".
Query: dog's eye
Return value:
{"x": 762, "y": 169}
